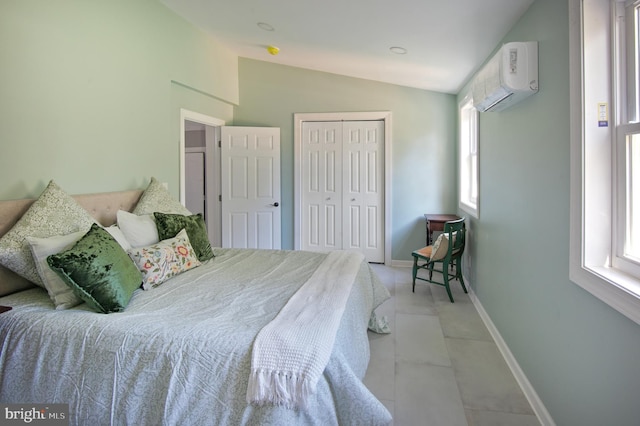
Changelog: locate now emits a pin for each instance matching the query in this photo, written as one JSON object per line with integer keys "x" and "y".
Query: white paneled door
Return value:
{"x": 321, "y": 186}
{"x": 250, "y": 177}
{"x": 342, "y": 187}
{"x": 363, "y": 188}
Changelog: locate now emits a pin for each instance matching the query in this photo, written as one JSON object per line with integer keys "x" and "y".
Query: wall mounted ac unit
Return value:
{"x": 510, "y": 76}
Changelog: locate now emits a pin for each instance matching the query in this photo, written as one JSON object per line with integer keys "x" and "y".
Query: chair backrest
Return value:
{"x": 456, "y": 230}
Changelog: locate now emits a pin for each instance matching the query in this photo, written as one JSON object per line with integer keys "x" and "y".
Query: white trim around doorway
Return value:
{"x": 300, "y": 118}
{"x": 186, "y": 115}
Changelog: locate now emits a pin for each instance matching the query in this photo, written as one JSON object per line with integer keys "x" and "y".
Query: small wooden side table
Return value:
{"x": 435, "y": 222}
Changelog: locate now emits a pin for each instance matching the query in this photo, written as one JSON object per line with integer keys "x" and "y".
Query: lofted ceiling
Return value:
{"x": 445, "y": 41}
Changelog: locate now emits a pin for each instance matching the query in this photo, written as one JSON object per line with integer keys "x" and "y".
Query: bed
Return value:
{"x": 184, "y": 351}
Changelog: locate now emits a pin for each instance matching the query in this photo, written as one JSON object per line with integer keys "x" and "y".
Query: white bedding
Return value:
{"x": 291, "y": 352}
{"x": 180, "y": 354}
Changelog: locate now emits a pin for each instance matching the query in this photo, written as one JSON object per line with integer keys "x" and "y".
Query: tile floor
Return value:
{"x": 440, "y": 365}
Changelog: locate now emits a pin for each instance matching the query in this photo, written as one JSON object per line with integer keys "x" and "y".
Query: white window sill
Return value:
{"x": 615, "y": 288}
{"x": 473, "y": 212}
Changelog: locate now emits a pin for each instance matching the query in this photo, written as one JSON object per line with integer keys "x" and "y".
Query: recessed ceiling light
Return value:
{"x": 398, "y": 50}
{"x": 265, "y": 26}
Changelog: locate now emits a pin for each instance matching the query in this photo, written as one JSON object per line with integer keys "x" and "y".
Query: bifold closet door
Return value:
{"x": 321, "y": 217}
{"x": 363, "y": 188}
{"x": 342, "y": 187}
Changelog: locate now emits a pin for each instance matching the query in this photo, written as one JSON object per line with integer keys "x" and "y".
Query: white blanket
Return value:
{"x": 291, "y": 352}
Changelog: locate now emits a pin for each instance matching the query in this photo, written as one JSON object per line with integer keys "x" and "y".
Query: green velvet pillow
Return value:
{"x": 98, "y": 270}
{"x": 170, "y": 224}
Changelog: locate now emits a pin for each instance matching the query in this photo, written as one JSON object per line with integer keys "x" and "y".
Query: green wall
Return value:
{"x": 423, "y": 146}
{"x": 580, "y": 355}
{"x": 91, "y": 93}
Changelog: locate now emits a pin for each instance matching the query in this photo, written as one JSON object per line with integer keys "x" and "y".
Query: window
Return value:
{"x": 627, "y": 146}
{"x": 468, "y": 151}
{"x": 605, "y": 151}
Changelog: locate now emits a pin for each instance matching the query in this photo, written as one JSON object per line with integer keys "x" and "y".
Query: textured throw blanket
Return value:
{"x": 291, "y": 352}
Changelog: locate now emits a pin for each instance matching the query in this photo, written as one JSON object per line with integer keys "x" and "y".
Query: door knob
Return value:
{"x": 276, "y": 204}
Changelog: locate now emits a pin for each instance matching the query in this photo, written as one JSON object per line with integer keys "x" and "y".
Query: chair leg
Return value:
{"x": 445, "y": 276}
{"x": 459, "y": 274}
{"x": 415, "y": 272}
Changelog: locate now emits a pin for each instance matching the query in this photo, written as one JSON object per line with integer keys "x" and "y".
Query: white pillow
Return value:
{"x": 165, "y": 259}
{"x": 118, "y": 235}
{"x": 139, "y": 231}
{"x": 60, "y": 293}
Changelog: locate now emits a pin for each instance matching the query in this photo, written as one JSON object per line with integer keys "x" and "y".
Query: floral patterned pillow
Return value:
{"x": 160, "y": 261}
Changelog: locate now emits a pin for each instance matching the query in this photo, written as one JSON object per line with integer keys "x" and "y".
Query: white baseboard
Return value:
{"x": 532, "y": 396}
{"x": 402, "y": 263}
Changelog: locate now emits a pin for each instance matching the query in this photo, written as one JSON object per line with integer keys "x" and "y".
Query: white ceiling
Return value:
{"x": 446, "y": 40}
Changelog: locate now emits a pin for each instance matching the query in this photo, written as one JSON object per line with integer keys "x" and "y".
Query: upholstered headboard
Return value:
{"x": 102, "y": 206}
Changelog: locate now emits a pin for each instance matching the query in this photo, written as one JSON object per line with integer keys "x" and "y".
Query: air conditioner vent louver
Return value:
{"x": 509, "y": 77}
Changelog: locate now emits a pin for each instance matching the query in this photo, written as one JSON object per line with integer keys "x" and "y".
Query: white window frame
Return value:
{"x": 595, "y": 213}
{"x": 621, "y": 259}
{"x": 469, "y": 155}
{"x": 625, "y": 83}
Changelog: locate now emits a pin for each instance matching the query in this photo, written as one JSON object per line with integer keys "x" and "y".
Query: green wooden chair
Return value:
{"x": 446, "y": 251}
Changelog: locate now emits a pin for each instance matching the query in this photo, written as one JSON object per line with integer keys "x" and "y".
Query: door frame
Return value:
{"x": 298, "y": 120}
{"x": 212, "y": 169}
